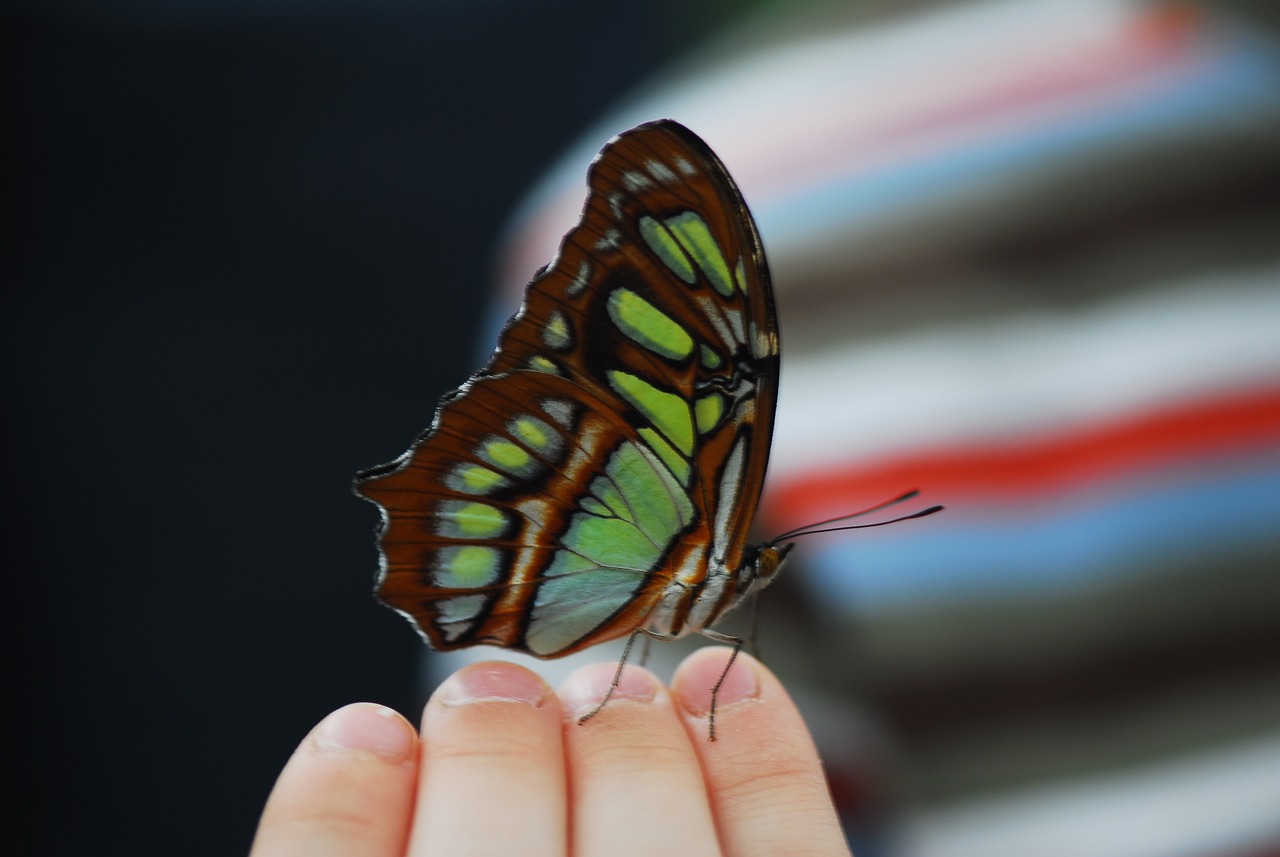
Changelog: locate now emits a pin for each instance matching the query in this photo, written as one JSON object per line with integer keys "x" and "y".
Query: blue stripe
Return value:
{"x": 1244, "y": 84}
{"x": 1165, "y": 522}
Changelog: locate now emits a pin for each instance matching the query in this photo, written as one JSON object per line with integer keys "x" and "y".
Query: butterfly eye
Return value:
{"x": 771, "y": 561}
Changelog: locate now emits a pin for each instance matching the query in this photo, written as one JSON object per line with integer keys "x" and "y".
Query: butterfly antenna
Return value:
{"x": 823, "y": 526}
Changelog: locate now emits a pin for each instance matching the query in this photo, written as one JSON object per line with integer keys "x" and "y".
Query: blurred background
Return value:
{"x": 1027, "y": 259}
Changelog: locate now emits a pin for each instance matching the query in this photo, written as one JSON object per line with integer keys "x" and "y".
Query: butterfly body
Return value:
{"x": 599, "y": 476}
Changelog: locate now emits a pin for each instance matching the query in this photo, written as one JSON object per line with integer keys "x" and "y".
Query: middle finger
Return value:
{"x": 635, "y": 784}
{"x": 492, "y": 775}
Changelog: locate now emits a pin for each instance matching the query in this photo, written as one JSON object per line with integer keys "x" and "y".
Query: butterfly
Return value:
{"x": 599, "y": 476}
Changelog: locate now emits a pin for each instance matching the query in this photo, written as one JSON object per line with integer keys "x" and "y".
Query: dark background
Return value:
{"x": 247, "y": 245}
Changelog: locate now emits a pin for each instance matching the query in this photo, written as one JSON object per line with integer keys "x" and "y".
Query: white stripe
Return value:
{"x": 1029, "y": 373}
{"x": 729, "y": 490}
{"x": 1215, "y": 803}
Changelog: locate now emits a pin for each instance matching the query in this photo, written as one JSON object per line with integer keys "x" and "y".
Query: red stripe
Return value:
{"x": 1014, "y": 469}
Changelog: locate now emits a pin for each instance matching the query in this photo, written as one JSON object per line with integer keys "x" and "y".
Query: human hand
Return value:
{"x": 503, "y": 768}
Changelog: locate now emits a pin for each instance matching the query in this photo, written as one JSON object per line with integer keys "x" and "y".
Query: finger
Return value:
{"x": 634, "y": 780}
{"x": 347, "y": 790}
{"x": 492, "y": 766}
{"x": 764, "y": 777}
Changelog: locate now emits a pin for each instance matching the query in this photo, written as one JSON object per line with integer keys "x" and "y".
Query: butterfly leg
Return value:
{"x": 753, "y": 641}
{"x": 622, "y": 662}
{"x": 736, "y": 642}
{"x": 644, "y": 650}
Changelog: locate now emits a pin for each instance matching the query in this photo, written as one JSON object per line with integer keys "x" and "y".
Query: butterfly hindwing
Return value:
{"x": 604, "y": 468}
{"x": 529, "y": 518}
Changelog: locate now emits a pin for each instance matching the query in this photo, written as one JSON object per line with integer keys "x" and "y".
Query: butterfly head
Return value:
{"x": 763, "y": 563}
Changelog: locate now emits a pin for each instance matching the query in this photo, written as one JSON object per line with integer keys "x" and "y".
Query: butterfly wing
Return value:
{"x": 601, "y": 472}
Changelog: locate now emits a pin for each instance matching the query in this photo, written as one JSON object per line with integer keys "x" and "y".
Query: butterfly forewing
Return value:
{"x": 618, "y": 438}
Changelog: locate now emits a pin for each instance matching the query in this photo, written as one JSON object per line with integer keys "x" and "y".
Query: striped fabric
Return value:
{"x": 1027, "y": 258}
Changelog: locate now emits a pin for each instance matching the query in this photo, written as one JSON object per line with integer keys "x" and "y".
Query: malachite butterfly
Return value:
{"x": 598, "y": 478}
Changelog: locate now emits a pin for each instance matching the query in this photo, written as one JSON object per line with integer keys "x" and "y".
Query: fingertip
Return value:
{"x": 348, "y": 788}
{"x": 583, "y": 690}
{"x": 493, "y": 681}
{"x": 704, "y": 672}
{"x": 629, "y": 764}
{"x": 366, "y": 727}
{"x": 763, "y": 772}
{"x": 491, "y": 738}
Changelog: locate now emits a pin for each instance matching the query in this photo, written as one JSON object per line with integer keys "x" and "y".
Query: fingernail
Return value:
{"x": 582, "y": 691}
{"x": 698, "y": 676}
{"x": 366, "y": 728}
{"x": 493, "y": 681}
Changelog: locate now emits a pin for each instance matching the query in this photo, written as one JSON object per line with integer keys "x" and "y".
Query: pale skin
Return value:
{"x": 502, "y": 767}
